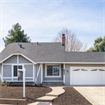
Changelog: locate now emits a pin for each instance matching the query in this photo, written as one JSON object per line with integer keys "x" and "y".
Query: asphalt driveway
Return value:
{"x": 95, "y": 94}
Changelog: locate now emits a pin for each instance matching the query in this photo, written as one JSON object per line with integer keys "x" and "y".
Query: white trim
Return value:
{"x": 7, "y": 77}
{"x": 41, "y": 73}
{"x": 17, "y": 77}
{"x": 2, "y": 73}
{"x": 17, "y": 59}
{"x": 19, "y": 81}
{"x": 73, "y": 62}
{"x": 17, "y": 54}
{"x": 64, "y": 74}
{"x": 18, "y": 63}
{"x": 97, "y": 67}
{"x": 52, "y": 76}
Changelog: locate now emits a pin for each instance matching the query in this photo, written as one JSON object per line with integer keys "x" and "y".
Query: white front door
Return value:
{"x": 87, "y": 75}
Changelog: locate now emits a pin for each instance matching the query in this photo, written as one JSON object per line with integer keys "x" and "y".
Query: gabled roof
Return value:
{"x": 41, "y": 52}
{"x": 50, "y": 52}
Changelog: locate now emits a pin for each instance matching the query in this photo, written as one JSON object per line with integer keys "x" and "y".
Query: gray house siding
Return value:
{"x": 29, "y": 70}
{"x": 7, "y": 71}
{"x": 67, "y": 75}
{"x": 23, "y": 60}
{"x": 17, "y": 60}
{"x": 12, "y": 59}
{"x": 67, "y": 67}
{"x": 0, "y": 73}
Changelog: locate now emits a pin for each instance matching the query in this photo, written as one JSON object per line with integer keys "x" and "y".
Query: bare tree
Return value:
{"x": 71, "y": 42}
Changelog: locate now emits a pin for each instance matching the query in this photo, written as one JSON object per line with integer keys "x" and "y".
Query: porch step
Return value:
{"x": 52, "y": 84}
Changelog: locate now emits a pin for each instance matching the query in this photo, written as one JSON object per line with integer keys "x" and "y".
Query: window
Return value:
{"x": 84, "y": 70}
{"x": 15, "y": 70}
{"x": 76, "y": 69}
{"x": 53, "y": 70}
{"x": 101, "y": 70}
{"x": 94, "y": 70}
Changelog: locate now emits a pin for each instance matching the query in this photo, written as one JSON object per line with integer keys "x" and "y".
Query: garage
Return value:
{"x": 87, "y": 75}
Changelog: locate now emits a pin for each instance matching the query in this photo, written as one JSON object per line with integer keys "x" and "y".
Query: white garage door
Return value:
{"x": 87, "y": 75}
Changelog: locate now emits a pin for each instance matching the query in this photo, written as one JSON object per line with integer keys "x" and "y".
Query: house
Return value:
{"x": 49, "y": 62}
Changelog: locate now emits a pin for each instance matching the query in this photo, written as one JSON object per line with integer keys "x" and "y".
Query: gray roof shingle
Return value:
{"x": 51, "y": 52}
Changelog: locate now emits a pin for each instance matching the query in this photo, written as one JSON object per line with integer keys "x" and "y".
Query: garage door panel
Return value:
{"x": 78, "y": 78}
{"x": 87, "y": 76}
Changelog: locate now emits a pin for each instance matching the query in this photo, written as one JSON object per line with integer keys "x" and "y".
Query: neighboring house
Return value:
{"x": 49, "y": 62}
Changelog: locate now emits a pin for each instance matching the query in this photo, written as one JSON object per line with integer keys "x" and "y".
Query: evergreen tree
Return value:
{"x": 16, "y": 35}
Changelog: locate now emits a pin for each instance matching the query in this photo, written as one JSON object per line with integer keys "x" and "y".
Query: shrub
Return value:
{"x": 0, "y": 84}
{"x": 6, "y": 83}
{"x": 3, "y": 84}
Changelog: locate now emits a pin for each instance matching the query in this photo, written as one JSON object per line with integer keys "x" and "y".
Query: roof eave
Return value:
{"x": 17, "y": 54}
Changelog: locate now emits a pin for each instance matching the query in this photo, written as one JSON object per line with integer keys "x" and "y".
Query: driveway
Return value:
{"x": 95, "y": 94}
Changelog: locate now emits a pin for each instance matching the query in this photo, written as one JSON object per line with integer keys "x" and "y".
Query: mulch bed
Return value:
{"x": 71, "y": 97}
{"x": 17, "y": 92}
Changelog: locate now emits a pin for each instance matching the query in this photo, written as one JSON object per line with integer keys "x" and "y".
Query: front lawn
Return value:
{"x": 71, "y": 97}
{"x": 17, "y": 92}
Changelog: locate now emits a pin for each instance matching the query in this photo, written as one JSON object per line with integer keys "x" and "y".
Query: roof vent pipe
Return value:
{"x": 38, "y": 44}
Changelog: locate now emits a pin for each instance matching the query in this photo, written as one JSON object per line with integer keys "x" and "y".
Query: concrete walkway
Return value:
{"x": 49, "y": 97}
{"x": 96, "y": 95}
{"x": 41, "y": 103}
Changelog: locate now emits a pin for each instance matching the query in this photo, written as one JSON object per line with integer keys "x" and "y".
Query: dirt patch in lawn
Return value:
{"x": 17, "y": 92}
{"x": 71, "y": 97}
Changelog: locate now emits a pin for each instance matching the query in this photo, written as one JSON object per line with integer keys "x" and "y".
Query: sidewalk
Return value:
{"x": 49, "y": 97}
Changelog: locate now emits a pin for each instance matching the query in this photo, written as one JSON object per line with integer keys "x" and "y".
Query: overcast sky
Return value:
{"x": 43, "y": 19}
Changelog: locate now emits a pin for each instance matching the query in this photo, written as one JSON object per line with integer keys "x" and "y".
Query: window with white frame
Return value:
{"x": 53, "y": 70}
{"x": 15, "y": 70}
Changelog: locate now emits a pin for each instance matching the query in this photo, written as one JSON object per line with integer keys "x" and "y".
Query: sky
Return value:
{"x": 43, "y": 19}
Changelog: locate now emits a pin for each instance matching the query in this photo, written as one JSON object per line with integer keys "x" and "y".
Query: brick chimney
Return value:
{"x": 63, "y": 39}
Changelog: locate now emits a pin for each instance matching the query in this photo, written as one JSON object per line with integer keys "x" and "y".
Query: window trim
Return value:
{"x": 52, "y": 76}
{"x": 13, "y": 69}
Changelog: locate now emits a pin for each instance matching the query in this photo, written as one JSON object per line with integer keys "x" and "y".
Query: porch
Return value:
{"x": 50, "y": 74}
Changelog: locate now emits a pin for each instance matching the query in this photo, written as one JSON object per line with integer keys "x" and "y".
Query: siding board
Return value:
{"x": 12, "y": 59}
{"x": 29, "y": 70}
{"x": 23, "y": 60}
{"x": 7, "y": 71}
